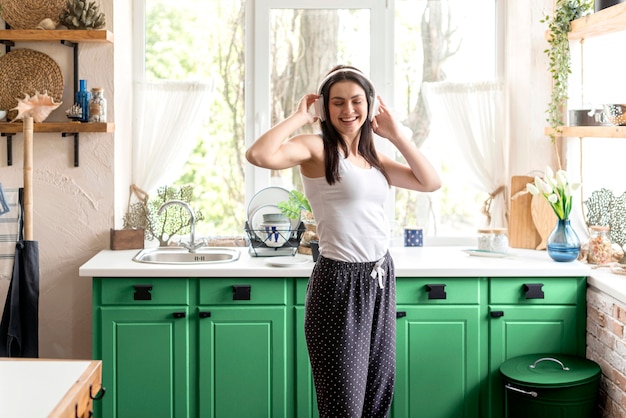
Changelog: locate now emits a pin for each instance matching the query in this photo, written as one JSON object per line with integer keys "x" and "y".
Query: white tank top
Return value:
{"x": 350, "y": 215}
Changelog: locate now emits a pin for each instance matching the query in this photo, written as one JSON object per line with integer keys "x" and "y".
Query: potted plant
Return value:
{"x": 174, "y": 221}
{"x": 559, "y": 25}
{"x": 293, "y": 207}
{"x": 298, "y": 207}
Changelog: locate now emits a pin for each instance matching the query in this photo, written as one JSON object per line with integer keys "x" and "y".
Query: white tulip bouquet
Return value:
{"x": 556, "y": 189}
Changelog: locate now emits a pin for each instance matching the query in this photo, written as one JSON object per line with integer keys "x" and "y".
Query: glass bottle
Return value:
{"x": 599, "y": 245}
{"x": 82, "y": 99}
{"x": 97, "y": 106}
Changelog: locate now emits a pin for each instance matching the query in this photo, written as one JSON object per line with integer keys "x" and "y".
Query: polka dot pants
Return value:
{"x": 350, "y": 330}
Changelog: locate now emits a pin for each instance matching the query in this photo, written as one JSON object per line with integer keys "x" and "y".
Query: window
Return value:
{"x": 284, "y": 51}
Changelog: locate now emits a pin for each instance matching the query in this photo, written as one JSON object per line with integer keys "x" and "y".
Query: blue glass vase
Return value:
{"x": 563, "y": 243}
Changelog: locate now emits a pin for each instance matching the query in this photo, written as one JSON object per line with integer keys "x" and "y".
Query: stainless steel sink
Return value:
{"x": 180, "y": 255}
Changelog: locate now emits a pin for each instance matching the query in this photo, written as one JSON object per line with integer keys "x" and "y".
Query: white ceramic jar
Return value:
{"x": 493, "y": 239}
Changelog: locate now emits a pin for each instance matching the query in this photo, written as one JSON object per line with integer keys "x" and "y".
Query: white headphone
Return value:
{"x": 318, "y": 105}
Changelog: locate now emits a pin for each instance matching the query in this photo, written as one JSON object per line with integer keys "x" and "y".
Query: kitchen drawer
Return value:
{"x": 144, "y": 291}
{"x": 437, "y": 290}
{"x": 247, "y": 291}
{"x": 535, "y": 290}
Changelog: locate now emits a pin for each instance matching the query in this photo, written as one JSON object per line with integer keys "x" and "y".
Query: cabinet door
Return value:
{"x": 145, "y": 361}
{"x": 438, "y": 362}
{"x": 242, "y": 362}
{"x": 520, "y": 330}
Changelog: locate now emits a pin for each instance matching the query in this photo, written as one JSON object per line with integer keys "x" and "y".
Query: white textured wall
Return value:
{"x": 74, "y": 206}
{"x": 528, "y": 85}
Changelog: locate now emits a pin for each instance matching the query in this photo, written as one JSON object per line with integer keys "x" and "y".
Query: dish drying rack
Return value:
{"x": 259, "y": 248}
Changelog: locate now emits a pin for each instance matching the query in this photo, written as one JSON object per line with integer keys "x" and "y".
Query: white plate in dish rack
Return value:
{"x": 268, "y": 198}
{"x": 257, "y": 219}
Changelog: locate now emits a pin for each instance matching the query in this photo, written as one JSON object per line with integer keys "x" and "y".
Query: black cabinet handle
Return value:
{"x": 241, "y": 292}
{"x": 204, "y": 314}
{"x": 179, "y": 315}
{"x": 400, "y": 314}
{"x": 533, "y": 291}
{"x": 436, "y": 291}
{"x": 497, "y": 314}
{"x": 142, "y": 292}
{"x": 98, "y": 395}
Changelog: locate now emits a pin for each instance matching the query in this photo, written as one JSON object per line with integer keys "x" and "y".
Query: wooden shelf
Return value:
{"x": 606, "y": 21}
{"x": 71, "y": 38}
{"x": 9, "y": 129}
{"x": 609, "y": 20}
{"x": 591, "y": 131}
{"x": 12, "y": 128}
{"x": 76, "y": 36}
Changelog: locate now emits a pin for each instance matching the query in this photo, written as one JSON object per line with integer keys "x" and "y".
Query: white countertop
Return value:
{"x": 409, "y": 262}
{"x": 33, "y": 388}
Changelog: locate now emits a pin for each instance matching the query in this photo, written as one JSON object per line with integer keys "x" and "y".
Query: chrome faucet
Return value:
{"x": 192, "y": 246}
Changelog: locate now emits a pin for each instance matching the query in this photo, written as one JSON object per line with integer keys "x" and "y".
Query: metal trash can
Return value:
{"x": 550, "y": 386}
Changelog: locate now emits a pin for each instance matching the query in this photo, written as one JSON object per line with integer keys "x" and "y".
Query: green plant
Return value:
{"x": 559, "y": 57}
{"x": 80, "y": 14}
{"x": 174, "y": 220}
{"x": 293, "y": 207}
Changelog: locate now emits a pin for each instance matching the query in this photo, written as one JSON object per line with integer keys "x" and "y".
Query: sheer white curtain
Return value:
{"x": 168, "y": 117}
{"x": 474, "y": 115}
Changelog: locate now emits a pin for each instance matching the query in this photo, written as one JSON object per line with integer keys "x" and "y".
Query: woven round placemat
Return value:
{"x": 26, "y": 14}
{"x": 25, "y": 71}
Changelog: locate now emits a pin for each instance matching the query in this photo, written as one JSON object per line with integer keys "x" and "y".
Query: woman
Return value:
{"x": 350, "y": 303}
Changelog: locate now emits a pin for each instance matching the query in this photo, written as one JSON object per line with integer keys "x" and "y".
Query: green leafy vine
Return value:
{"x": 559, "y": 56}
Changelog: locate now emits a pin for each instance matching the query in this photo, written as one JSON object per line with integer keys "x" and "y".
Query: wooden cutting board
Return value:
{"x": 522, "y": 230}
{"x": 544, "y": 219}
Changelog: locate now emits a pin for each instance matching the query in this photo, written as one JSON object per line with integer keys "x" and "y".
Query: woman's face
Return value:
{"x": 347, "y": 107}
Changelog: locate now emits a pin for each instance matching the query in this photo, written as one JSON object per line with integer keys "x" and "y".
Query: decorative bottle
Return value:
{"x": 82, "y": 98}
{"x": 563, "y": 244}
{"x": 97, "y": 106}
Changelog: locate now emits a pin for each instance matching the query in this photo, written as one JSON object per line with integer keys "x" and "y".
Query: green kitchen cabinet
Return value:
{"x": 439, "y": 350}
{"x": 192, "y": 347}
{"x": 242, "y": 356}
{"x": 235, "y": 347}
{"x": 146, "y": 354}
{"x": 528, "y": 316}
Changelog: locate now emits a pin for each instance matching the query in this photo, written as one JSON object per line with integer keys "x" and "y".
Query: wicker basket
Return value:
{"x": 27, "y": 14}
{"x": 25, "y": 71}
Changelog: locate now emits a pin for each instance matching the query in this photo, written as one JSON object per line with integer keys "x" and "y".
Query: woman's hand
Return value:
{"x": 385, "y": 124}
{"x": 303, "y": 107}
{"x": 418, "y": 173}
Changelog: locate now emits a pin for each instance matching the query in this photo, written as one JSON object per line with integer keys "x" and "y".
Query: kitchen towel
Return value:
{"x": 9, "y": 222}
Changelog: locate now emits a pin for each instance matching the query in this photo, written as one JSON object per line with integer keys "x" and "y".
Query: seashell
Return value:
{"x": 47, "y": 24}
{"x": 39, "y": 106}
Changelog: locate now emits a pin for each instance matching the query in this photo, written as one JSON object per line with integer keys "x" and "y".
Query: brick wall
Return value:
{"x": 606, "y": 345}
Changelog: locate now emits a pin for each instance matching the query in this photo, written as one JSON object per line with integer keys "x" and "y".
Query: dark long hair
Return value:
{"x": 333, "y": 140}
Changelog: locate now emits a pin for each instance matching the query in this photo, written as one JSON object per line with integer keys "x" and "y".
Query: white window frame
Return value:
{"x": 258, "y": 70}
